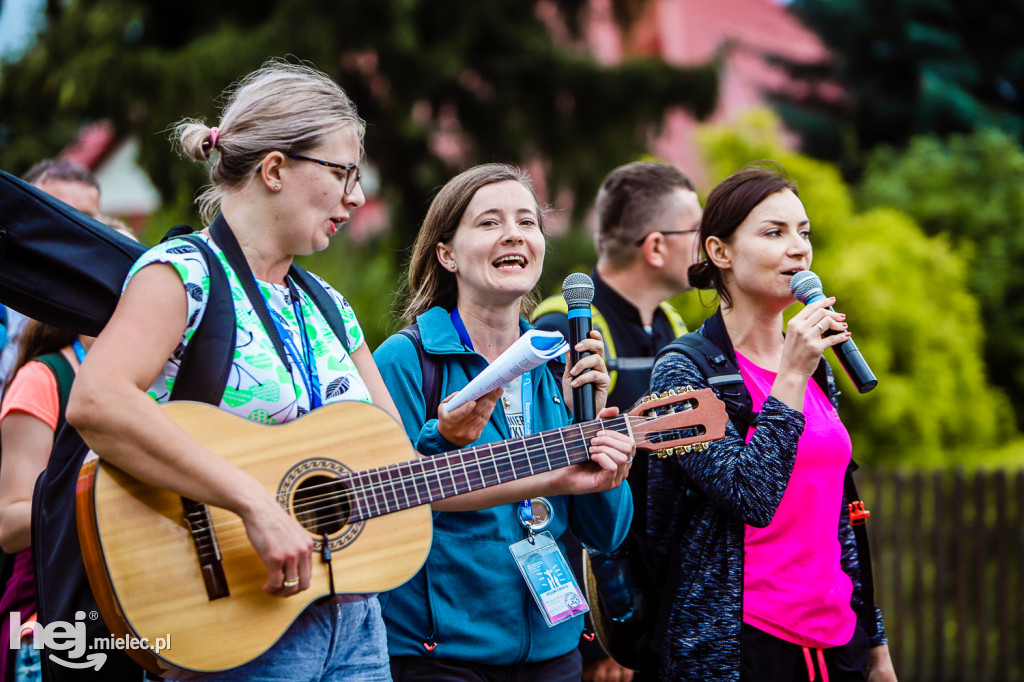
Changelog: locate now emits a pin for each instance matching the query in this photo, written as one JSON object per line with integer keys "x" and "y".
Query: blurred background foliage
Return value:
{"x": 911, "y": 175}
{"x": 969, "y": 188}
{"x": 906, "y": 68}
{"x": 498, "y": 83}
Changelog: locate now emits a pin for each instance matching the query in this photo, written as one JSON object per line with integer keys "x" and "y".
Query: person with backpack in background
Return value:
{"x": 762, "y": 571}
{"x": 76, "y": 186}
{"x": 648, "y": 215}
{"x": 468, "y": 614}
{"x": 31, "y": 413}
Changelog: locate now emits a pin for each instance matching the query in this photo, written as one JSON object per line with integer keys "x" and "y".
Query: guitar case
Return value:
{"x": 58, "y": 265}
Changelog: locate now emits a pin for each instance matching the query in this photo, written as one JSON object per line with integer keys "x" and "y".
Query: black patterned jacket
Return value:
{"x": 696, "y": 541}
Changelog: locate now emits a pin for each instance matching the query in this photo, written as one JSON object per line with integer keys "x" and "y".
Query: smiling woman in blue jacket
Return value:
{"x": 469, "y": 613}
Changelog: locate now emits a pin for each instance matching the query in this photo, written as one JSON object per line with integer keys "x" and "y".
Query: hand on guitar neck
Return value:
{"x": 611, "y": 454}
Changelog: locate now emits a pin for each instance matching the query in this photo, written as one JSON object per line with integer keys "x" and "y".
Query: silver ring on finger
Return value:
{"x": 820, "y": 328}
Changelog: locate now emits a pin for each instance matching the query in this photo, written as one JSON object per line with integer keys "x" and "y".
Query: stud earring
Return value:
{"x": 277, "y": 188}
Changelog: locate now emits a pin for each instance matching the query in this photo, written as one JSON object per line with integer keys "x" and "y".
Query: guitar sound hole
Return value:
{"x": 320, "y": 505}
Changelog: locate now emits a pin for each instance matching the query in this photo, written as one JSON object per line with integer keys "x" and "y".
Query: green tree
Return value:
{"x": 908, "y": 302}
{"x": 492, "y": 76}
{"x": 969, "y": 188}
{"x": 907, "y": 67}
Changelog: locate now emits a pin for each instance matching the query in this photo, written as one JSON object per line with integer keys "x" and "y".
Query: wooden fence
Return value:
{"x": 948, "y": 551}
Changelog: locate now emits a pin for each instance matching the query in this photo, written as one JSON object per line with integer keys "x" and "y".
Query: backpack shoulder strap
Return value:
{"x": 860, "y": 535}
{"x": 431, "y": 371}
{"x": 323, "y": 301}
{"x": 64, "y": 373}
{"x": 557, "y": 304}
{"x": 551, "y": 304}
{"x": 611, "y": 356}
{"x": 674, "y": 318}
{"x": 722, "y": 374}
{"x": 203, "y": 373}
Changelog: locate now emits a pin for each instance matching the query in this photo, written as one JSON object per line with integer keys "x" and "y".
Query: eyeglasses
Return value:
{"x": 352, "y": 174}
{"x": 640, "y": 242}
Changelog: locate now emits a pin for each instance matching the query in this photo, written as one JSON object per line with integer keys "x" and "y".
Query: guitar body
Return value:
{"x": 143, "y": 561}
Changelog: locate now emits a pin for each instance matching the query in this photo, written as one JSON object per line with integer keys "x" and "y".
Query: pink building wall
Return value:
{"x": 691, "y": 32}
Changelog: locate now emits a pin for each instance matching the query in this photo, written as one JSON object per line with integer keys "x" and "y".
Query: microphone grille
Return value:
{"x": 578, "y": 290}
{"x": 804, "y": 284}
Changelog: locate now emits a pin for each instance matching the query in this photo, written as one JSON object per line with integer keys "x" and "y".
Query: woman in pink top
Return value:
{"x": 762, "y": 569}
{"x": 30, "y": 415}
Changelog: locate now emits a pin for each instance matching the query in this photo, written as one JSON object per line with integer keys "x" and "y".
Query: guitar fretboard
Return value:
{"x": 391, "y": 488}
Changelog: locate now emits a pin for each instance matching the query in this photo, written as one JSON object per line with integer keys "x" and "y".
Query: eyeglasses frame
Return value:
{"x": 640, "y": 242}
{"x": 351, "y": 171}
{"x": 352, "y": 177}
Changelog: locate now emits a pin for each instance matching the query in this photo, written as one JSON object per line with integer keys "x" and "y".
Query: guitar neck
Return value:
{"x": 388, "y": 489}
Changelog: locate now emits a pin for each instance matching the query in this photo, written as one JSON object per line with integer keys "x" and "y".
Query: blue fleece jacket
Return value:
{"x": 469, "y": 597}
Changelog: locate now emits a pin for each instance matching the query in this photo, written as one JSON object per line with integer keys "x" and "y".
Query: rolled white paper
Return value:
{"x": 533, "y": 348}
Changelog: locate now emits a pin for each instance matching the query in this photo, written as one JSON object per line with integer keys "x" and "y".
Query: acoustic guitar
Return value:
{"x": 167, "y": 569}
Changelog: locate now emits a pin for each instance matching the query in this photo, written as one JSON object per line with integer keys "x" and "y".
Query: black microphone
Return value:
{"x": 578, "y": 292}
{"x": 806, "y": 287}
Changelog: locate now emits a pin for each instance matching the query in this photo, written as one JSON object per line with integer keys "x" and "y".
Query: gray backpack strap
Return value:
{"x": 722, "y": 374}
{"x": 431, "y": 371}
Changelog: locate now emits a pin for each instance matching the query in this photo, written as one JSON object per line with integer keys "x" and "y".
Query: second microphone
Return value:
{"x": 578, "y": 292}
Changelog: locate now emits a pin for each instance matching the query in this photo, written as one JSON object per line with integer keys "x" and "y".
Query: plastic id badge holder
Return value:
{"x": 549, "y": 577}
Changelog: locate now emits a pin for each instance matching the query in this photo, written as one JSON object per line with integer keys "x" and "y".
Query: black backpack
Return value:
{"x": 627, "y": 590}
{"x": 62, "y": 588}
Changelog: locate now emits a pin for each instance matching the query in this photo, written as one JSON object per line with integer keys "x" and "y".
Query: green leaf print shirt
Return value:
{"x": 260, "y": 387}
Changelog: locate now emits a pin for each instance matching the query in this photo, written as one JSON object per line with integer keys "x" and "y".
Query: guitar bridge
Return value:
{"x": 200, "y": 525}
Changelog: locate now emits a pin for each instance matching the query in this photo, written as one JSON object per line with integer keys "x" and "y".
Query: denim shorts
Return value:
{"x": 329, "y": 641}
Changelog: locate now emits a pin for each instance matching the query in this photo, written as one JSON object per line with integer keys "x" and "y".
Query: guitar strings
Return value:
{"x": 375, "y": 508}
{"x": 439, "y": 463}
{"x": 229, "y": 538}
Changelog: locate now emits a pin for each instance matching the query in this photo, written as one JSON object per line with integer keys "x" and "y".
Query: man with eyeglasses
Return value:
{"x": 648, "y": 220}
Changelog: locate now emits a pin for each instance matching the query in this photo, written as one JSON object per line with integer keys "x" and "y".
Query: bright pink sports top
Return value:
{"x": 794, "y": 587}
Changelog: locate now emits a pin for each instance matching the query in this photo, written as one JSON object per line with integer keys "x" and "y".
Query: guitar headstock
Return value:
{"x": 698, "y": 411}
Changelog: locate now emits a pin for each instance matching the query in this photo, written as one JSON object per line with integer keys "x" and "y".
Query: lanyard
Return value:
{"x": 525, "y": 506}
{"x": 304, "y": 360}
{"x": 79, "y": 349}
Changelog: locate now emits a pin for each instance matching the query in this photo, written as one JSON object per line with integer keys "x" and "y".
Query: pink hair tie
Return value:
{"x": 214, "y": 133}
